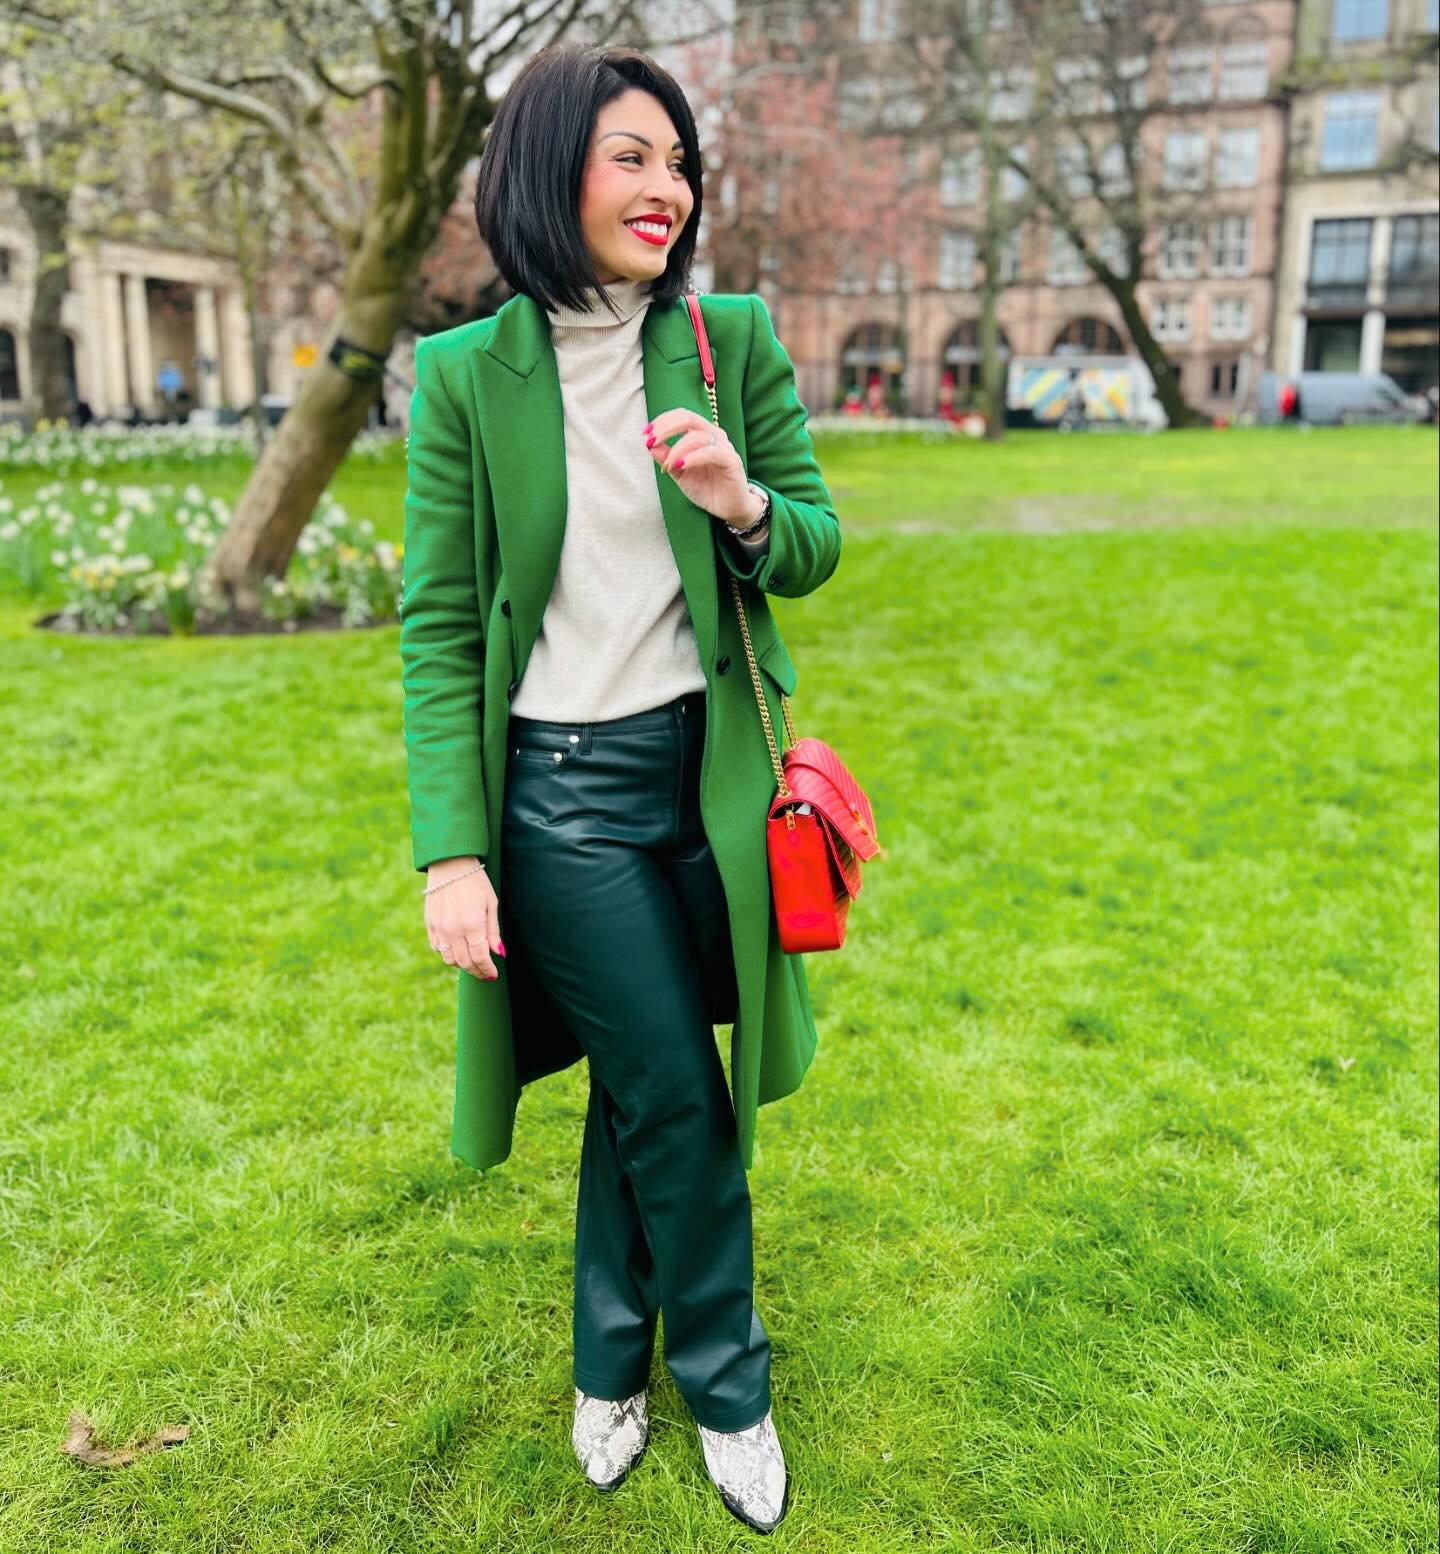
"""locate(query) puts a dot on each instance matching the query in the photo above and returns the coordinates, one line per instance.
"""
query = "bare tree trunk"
(992, 367)
(311, 442)
(259, 365)
(1167, 384)
(47, 212)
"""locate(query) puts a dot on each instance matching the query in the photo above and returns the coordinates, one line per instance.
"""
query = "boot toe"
(748, 1468)
(609, 1437)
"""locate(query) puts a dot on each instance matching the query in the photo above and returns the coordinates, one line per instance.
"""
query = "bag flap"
(817, 776)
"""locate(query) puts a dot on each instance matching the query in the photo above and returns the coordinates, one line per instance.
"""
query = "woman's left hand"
(711, 476)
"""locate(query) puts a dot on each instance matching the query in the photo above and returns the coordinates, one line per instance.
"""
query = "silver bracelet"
(443, 883)
(744, 533)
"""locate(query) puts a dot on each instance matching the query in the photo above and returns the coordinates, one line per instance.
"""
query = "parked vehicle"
(1073, 392)
(1334, 399)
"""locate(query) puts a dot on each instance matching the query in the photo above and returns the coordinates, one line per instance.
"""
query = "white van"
(1334, 399)
(1071, 392)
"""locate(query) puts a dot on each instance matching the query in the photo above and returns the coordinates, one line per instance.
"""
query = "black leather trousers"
(610, 880)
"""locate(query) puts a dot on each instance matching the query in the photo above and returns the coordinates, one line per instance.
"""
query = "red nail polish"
(648, 425)
(500, 947)
(650, 439)
(679, 464)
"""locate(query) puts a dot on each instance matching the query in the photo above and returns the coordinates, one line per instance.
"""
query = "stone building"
(1289, 155)
(1360, 262)
(1262, 183)
(131, 309)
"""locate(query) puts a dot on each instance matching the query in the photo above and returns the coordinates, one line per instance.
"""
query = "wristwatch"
(761, 521)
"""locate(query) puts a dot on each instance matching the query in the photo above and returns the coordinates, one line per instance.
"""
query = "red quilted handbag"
(820, 825)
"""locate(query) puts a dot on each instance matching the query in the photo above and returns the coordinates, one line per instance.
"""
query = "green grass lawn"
(1105, 1219)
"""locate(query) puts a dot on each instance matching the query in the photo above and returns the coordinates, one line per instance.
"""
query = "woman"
(583, 738)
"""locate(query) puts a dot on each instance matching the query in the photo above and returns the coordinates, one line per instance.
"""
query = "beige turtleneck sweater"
(616, 635)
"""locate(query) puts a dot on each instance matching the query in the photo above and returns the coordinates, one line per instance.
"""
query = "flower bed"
(63, 449)
(128, 558)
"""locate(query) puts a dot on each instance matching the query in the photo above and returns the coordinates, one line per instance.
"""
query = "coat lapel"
(516, 389)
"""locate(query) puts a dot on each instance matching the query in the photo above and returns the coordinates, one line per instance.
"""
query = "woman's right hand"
(463, 920)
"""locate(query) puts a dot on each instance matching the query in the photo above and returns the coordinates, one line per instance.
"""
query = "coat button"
(723, 667)
(776, 581)
(504, 606)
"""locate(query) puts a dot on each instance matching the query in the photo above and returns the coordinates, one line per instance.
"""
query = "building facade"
(1360, 262)
(140, 324)
(1246, 201)
(1288, 154)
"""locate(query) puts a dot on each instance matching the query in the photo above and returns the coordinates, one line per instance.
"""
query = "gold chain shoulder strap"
(783, 786)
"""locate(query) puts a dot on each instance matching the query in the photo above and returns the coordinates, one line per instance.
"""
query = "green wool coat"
(485, 511)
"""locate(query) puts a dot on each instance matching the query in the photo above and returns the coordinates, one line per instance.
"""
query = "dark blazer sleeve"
(442, 647)
(804, 531)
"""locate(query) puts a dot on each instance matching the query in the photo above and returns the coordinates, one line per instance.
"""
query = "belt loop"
(586, 730)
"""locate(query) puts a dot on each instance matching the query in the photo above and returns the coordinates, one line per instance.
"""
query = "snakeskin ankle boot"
(609, 1438)
(748, 1468)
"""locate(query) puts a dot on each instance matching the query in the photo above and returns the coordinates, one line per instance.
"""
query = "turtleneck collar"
(629, 296)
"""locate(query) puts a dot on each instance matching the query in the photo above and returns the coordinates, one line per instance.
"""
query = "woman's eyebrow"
(679, 145)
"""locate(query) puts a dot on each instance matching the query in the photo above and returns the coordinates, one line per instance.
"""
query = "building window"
(1110, 248)
(1114, 172)
(1179, 250)
(1237, 158)
(1010, 93)
(1415, 254)
(1184, 161)
(1351, 134)
(1230, 318)
(1130, 78)
(1170, 318)
(887, 274)
(1230, 238)
(879, 20)
(960, 177)
(1078, 83)
(1224, 379)
(1065, 266)
(851, 279)
(957, 261)
(1432, 16)
(1355, 20)
(1244, 72)
(867, 103)
(1192, 75)
(1340, 255)
(1014, 183)
(1072, 167)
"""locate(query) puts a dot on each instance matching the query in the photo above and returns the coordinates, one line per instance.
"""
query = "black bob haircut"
(527, 196)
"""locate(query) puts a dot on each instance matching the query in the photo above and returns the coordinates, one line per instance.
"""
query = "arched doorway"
(960, 361)
(1088, 337)
(872, 369)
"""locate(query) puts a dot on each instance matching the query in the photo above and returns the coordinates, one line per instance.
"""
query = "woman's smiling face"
(635, 168)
